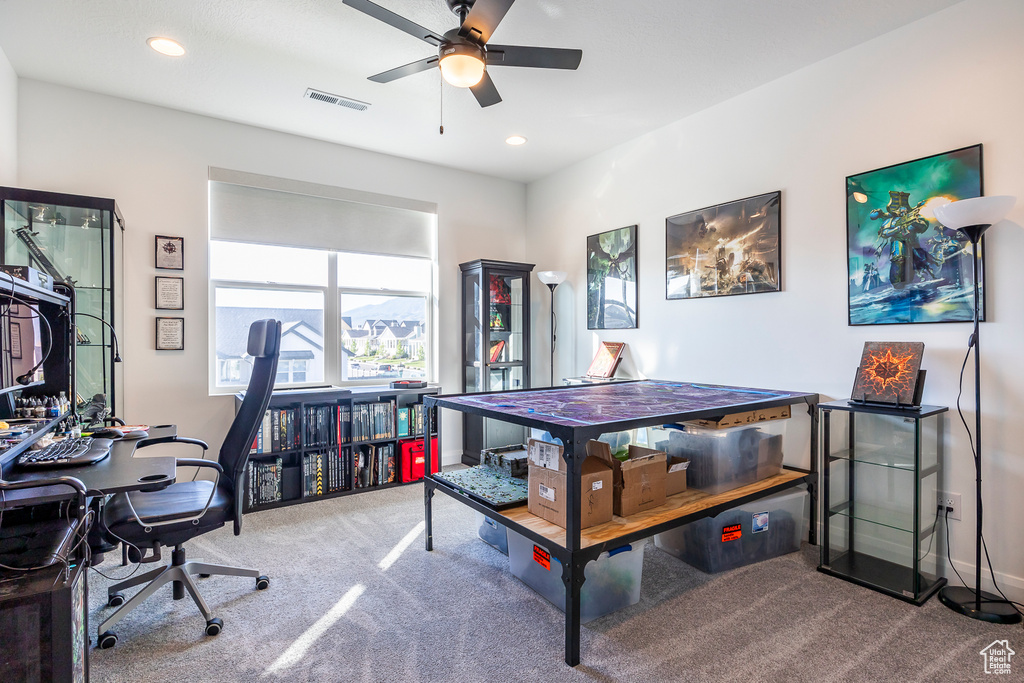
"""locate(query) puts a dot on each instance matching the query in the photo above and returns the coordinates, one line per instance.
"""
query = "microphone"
(117, 353)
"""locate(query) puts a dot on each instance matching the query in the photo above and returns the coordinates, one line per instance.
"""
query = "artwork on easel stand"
(890, 373)
(905, 266)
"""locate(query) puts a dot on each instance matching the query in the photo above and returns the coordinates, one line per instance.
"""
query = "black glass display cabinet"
(495, 345)
(880, 481)
(76, 241)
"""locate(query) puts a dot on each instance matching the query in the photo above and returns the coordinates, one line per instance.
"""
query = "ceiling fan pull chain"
(441, 100)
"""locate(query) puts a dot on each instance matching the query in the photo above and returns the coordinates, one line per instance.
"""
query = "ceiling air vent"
(336, 99)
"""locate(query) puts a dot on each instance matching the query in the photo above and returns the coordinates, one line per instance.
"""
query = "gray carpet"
(457, 614)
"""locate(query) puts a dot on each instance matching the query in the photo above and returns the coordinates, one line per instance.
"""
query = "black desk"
(118, 473)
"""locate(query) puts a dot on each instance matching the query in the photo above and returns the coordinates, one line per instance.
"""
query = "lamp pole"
(552, 278)
(973, 217)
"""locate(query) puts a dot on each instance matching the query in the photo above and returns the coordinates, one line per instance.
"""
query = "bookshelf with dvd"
(327, 442)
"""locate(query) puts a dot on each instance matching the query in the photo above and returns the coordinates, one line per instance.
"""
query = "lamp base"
(993, 608)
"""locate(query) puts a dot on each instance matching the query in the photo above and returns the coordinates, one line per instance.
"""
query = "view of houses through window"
(369, 321)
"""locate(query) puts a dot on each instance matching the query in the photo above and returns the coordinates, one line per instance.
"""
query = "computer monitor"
(23, 346)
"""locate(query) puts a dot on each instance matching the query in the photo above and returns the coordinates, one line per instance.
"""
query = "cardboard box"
(639, 482)
(30, 275)
(675, 479)
(746, 418)
(547, 486)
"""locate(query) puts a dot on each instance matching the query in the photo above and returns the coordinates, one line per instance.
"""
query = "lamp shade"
(975, 211)
(462, 70)
(552, 277)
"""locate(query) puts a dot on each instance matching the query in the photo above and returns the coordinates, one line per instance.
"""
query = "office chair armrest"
(182, 462)
(198, 462)
(176, 439)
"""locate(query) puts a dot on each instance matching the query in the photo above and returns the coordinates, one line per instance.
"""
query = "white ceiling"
(644, 65)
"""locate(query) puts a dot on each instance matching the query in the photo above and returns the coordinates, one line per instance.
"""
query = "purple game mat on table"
(598, 404)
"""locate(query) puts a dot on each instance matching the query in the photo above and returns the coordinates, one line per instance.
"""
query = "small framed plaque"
(16, 341)
(170, 334)
(170, 252)
(170, 293)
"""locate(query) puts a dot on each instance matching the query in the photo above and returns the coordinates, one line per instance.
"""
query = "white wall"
(947, 81)
(154, 162)
(8, 122)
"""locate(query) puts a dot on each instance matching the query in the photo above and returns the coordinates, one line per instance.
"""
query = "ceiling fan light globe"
(462, 70)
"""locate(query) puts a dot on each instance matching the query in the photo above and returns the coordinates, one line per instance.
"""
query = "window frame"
(332, 294)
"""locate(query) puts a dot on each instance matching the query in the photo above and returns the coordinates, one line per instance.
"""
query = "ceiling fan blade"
(538, 57)
(483, 18)
(395, 20)
(485, 92)
(407, 70)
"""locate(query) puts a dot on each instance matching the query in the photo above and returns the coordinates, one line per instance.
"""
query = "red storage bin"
(414, 458)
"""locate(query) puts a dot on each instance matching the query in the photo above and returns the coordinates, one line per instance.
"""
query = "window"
(349, 274)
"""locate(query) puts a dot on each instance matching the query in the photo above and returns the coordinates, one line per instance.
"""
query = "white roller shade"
(254, 208)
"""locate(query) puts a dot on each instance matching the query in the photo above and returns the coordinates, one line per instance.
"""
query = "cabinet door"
(506, 330)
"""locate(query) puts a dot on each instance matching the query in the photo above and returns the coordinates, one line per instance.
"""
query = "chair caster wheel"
(115, 600)
(107, 640)
(203, 576)
(214, 626)
(262, 583)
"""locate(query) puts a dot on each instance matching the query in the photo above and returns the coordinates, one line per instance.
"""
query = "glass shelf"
(877, 455)
(900, 520)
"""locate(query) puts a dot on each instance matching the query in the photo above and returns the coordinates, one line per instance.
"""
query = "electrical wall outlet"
(951, 500)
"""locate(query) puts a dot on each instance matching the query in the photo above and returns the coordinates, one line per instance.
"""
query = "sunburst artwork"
(889, 373)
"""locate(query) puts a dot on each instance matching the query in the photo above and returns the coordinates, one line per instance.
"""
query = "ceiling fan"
(463, 53)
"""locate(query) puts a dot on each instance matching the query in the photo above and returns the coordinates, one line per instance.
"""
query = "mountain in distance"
(397, 308)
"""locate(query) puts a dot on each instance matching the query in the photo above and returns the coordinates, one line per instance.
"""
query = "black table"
(120, 472)
(579, 413)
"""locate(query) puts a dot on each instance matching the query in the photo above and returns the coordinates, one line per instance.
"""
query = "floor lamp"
(552, 278)
(973, 217)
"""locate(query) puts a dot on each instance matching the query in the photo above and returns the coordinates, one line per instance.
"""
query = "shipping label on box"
(547, 493)
(544, 454)
(639, 481)
(744, 418)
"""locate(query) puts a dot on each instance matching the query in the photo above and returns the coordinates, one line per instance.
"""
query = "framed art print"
(903, 265)
(726, 249)
(612, 279)
(170, 334)
(170, 253)
(170, 293)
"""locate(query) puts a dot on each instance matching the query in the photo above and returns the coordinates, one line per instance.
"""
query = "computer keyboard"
(72, 452)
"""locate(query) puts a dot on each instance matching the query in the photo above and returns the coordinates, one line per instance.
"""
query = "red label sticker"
(731, 532)
(542, 557)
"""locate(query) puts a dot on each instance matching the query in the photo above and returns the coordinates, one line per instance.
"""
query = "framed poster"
(170, 252)
(170, 293)
(905, 266)
(612, 279)
(726, 249)
(170, 334)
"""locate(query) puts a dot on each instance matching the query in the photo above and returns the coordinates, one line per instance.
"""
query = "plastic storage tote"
(723, 459)
(613, 579)
(756, 531)
(491, 532)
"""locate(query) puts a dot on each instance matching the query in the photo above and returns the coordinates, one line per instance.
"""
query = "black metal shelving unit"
(292, 458)
(881, 472)
(575, 548)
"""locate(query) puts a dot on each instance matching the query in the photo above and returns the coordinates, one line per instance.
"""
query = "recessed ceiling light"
(166, 46)
(516, 140)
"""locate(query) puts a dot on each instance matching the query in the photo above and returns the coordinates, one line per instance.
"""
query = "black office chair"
(184, 510)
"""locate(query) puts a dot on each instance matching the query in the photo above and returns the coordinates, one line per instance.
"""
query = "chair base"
(179, 573)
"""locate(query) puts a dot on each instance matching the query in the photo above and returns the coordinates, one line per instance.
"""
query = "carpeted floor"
(344, 606)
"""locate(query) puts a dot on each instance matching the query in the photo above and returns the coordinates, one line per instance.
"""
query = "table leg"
(813, 486)
(428, 497)
(573, 576)
(428, 468)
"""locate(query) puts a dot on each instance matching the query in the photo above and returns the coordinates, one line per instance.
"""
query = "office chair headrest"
(264, 337)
